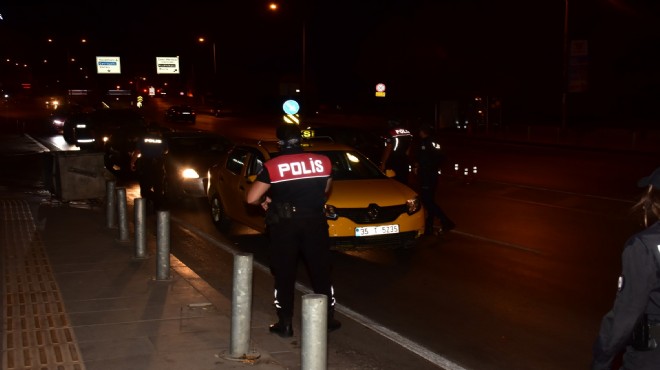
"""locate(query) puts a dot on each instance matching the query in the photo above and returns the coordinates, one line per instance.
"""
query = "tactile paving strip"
(36, 330)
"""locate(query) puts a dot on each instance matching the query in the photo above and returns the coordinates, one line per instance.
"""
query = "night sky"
(425, 51)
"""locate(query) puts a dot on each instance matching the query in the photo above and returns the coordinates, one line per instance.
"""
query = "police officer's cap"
(288, 134)
(653, 179)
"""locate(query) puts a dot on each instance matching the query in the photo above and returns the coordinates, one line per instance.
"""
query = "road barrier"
(241, 308)
(314, 340)
(140, 209)
(110, 197)
(122, 212)
(163, 246)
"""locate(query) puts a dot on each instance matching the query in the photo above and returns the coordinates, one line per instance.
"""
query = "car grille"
(373, 214)
(399, 240)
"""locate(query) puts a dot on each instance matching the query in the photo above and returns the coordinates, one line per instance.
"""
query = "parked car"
(358, 214)
(181, 113)
(189, 156)
(90, 131)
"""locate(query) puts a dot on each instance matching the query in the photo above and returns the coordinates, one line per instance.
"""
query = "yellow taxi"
(365, 208)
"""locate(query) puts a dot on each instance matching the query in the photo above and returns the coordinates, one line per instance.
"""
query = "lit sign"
(167, 65)
(108, 65)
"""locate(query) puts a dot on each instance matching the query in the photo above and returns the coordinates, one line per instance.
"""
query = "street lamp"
(303, 83)
(215, 65)
(564, 80)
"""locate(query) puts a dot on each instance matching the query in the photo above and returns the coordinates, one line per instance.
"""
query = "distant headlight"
(58, 122)
(189, 173)
(331, 212)
(81, 125)
(413, 205)
(106, 138)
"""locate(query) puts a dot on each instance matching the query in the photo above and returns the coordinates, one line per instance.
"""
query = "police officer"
(632, 325)
(428, 158)
(397, 149)
(148, 162)
(293, 188)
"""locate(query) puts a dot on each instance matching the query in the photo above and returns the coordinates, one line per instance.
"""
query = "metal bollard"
(314, 347)
(110, 198)
(122, 212)
(163, 246)
(140, 208)
(241, 307)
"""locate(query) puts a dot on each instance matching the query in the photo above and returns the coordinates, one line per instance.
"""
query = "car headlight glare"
(331, 212)
(413, 205)
(189, 173)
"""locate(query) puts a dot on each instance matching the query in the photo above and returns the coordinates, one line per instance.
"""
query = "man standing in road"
(147, 162)
(633, 323)
(428, 158)
(293, 189)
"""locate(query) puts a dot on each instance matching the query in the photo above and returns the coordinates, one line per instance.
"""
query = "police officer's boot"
(333, 324)
(283, 327)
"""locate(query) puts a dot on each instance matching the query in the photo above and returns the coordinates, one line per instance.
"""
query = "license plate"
(376, 230)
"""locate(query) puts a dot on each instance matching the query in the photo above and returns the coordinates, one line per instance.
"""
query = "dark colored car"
(59, 116)
(181, 113)
(90, 131)
(189, 156)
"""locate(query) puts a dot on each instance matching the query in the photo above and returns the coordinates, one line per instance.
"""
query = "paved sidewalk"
(76, 298)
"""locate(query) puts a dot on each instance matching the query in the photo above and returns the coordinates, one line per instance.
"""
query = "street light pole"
(564, 97)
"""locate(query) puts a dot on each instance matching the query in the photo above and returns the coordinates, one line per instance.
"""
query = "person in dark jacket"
(632, 326)
(396, 155)
(293, 187)
(428, 158)
(147, 160)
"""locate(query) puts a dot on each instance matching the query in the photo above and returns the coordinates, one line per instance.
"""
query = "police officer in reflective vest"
(428, 158)
(293, 189)
(632, 325)
(147, 162)
(396, 154)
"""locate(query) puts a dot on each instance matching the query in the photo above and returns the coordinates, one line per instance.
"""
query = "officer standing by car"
(428, 158)
(293, 189)
(148, 163)
(632, 325)
(397, 149)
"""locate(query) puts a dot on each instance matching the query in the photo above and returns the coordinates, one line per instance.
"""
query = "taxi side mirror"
(251, 178)
(390, 173)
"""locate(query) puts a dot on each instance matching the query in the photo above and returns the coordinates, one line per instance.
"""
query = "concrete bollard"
(163, 246)
(140, 208)
(110, 208)
(241, 306)
(122, 212)
(314, 340)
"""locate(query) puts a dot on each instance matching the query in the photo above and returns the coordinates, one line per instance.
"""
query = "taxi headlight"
(413, 205)
(189, 173)
(331, 212)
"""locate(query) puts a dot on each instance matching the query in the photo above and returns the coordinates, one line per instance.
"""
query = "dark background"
(424, 51)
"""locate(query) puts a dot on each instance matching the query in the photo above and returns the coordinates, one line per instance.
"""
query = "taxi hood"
(361, 193)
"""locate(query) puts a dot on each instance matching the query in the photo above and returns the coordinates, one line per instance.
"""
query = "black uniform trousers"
(401, 166)
(428, 182)
(150, 175)
(290, 240)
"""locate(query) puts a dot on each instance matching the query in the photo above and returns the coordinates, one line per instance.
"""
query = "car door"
(233, 183)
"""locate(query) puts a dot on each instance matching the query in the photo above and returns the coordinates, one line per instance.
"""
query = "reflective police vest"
(299, 166)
